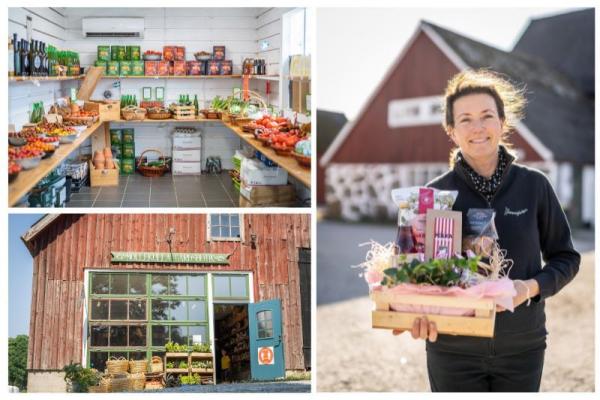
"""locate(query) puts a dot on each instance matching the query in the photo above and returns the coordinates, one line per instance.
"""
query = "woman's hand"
(421, 329)
(525, 290)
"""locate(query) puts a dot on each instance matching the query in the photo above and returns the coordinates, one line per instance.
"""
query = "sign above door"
(172, 258)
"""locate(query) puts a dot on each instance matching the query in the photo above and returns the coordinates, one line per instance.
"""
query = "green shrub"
(17, 361)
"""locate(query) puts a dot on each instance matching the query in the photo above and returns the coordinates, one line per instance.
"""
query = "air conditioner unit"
(112, 27)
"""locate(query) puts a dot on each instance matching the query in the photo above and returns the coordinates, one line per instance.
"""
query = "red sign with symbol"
(266, 356)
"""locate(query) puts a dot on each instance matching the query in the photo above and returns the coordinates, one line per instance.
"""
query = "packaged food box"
(133, 53)
(164, 68)
(264, 196)
(179, 53)
(214, 68)
(125, 68)
(118, 53)
(100, 63)
(127, 135)
(194, 68)
(226, 67)
(137, 68)
(112, 68)
(115, 137)
(169, 53)
(127, 166)
(187, 168)
(151, 67)
(128, 150)
(219, 53)
(179, 68)
(103, 53)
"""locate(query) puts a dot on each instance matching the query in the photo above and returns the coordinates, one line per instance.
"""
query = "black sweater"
(530, 223)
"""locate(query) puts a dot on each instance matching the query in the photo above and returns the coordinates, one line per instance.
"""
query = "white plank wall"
(47, 26)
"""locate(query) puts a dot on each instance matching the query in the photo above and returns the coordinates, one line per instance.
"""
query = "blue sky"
(20, 272)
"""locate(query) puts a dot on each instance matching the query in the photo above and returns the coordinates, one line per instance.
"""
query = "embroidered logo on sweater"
(507, 211)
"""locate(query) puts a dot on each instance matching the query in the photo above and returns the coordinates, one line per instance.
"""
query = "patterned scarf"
(487, 187)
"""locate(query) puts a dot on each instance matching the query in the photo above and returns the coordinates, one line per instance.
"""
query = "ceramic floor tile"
(219, 203)
(83, 196)
(135, 204)
(100, 204)
(80, 204)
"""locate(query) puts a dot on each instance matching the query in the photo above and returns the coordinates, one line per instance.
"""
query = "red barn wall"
(74, 242)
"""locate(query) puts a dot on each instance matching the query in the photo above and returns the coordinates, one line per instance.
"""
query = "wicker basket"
(137, 366)
(114, 383)
(156, 365)
(211, 114)
(148, 171)
(304, 161)
(117, 366)
(240, 121)
(282, 151)
(134, 115)
(97, 389)
(165, 115)
(137, 381)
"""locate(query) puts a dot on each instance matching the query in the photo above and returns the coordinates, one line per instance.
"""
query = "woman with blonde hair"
(481, 109)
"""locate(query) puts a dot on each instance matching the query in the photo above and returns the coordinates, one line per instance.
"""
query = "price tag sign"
(266, 356)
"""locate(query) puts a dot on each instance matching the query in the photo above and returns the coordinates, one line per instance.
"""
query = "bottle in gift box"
(405, 242)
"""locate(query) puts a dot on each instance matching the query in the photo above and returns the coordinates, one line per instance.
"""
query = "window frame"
(230, 298)
(212, 238)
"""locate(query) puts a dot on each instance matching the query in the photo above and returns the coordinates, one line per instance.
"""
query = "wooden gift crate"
(184, 112)
(108, 110)
(104, 177)
(481, 324)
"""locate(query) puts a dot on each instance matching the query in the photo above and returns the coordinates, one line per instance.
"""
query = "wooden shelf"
(201, 355)
(288, 163)
(237, 76)
(265, 77)
(28, 179)
(202, 371)
(160, 121)
(43, 78)
(177, 355)
(176, 370)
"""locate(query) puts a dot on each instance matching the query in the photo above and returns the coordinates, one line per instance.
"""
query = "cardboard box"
(179, 53)
(194, 68)
(226, 67)
(164, 68)
(179, 68)
(299, 91)
(187, 142)
(150, 68)
(255, 172)
(443, 233)
(218, 53)
(187, 168)
(169, 53)
(108, 110)
(266, 196)
(104, 177)
(187, 155)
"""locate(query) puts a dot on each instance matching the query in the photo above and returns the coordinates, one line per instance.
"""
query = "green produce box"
(103, 53)
(133, 53)
(115, 137)
(127, 166)
(118, 53)
(103, 64)
(137, 68)
(125, 68)
(128, 150)
(127, 135)
(112, 68)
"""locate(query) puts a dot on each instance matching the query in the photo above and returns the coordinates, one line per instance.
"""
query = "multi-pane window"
(225, 227)
(264, 320)
(230, 286)
(134, 315)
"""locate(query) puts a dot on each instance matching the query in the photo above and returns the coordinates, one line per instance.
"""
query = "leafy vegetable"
(442, 272)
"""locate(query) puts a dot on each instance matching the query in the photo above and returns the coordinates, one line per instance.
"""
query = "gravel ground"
(358, 358)
(250, 387)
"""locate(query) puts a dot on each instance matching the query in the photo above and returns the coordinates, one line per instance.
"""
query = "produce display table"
(101, 138)
(28, 179)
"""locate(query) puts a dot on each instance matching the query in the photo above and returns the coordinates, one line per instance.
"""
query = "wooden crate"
(481, 324)
(184, 112)
(104, 177)
(108, 110)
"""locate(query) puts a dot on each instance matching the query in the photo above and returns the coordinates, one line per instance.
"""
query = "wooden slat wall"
(75, 242)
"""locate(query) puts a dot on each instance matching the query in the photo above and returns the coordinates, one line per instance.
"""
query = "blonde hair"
(509, 98)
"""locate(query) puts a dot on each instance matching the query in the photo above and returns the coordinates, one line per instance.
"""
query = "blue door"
(266, 341)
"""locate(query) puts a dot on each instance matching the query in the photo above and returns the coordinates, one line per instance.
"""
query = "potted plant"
(80, 379)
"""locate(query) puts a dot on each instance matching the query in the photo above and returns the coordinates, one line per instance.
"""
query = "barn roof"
(38, 227)
(329, 124)
(558, 112)
(571, 50)
(559, 120)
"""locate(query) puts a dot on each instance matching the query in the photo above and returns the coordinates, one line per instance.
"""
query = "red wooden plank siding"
(73, 243)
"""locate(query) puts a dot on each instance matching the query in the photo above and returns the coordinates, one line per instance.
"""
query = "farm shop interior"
(159, 107)
(126, 285)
